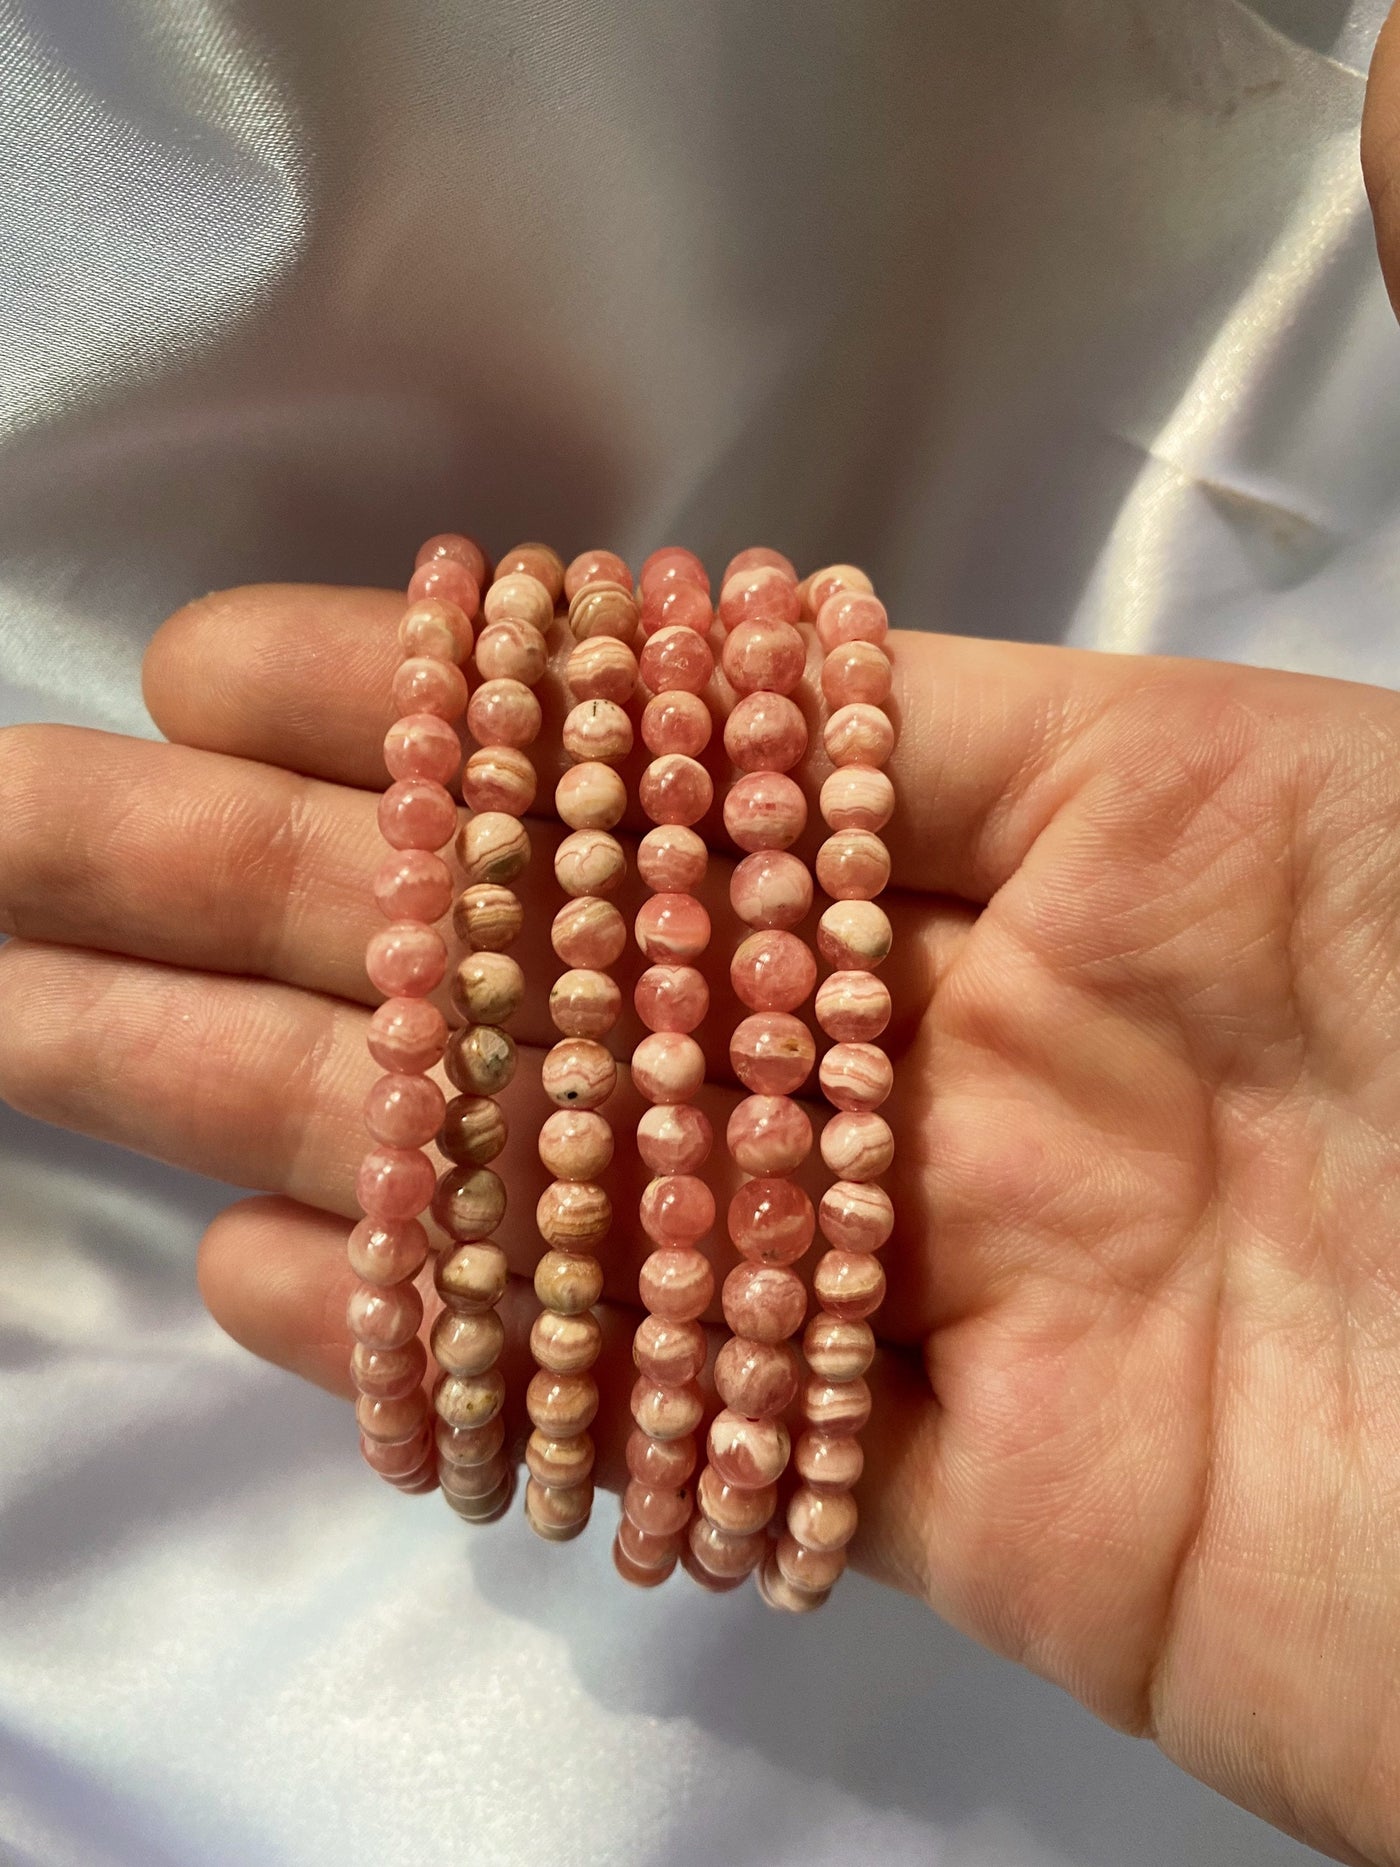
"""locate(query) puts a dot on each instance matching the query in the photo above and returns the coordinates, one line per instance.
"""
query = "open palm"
(1138, 1409)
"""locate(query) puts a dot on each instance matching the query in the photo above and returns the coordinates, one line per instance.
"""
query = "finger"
(274, 1275)
(263, 1086)
(211, 862)
(992, 735)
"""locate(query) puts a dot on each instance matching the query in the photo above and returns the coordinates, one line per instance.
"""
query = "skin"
(1138, 1395)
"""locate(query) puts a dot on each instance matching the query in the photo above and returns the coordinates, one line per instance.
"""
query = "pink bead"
(829, 1459)
(771, 889)
(533, 559)
(675, 789)
(771, 1221)
(810, 1569)
(766, 732)
(765, 810)
(822, 1520)
(437, 629)
(857, 1147)
(461, 549)
(765, 1302)
(511, 651)
(422, 685)
(589, 932)
(387, 1318)
(858, 735)
(701, 1576)
(856, 672)
(748, 1453)
(604, 609)
(659, 1512)
(576, 1144)
(601, 668)
(677, 606)
(641, 1558)
(444, 578)
(584, 1002)
(673, 564)
(672, 859)
(672, 998)
(387, 1254)
(735, 1508)
(414, 885)
(772, 1053)
(677, 1281)
(499, 780)
(676, 657)
(395, 1183)
(677, 1209)
(503, 713)
(837, 1350)
(856, 1216)
(597, 729)
(398, 1462)
(851, 616)
(407, 1033)
(663, 1463)
(853, 865)
(422, 746)
(857, 797)
(668, 1067)
(667, 1352)
(835, 1407)
(756, 557)
(856, 1077)
(406, 960)
(672, 927)
(393, 1422)
(666, 1412)
(590, 797)
(850, 1284)
(770, 655)
(762, 593)
(470, 1445)
(676, 722)
(589, 862)
(578, 1073)
(519, 597)
(853, 1007)
(416, 813)
(772, 971)
(387, 1372)
(768, 1134)
(822, 584)
(855, 935)
(674, 1137)
(723, 1554)
(595, 567)
(756, 1378)
(404, 1110)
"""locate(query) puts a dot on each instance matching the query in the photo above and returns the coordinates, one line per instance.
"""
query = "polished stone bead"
(677, 605)
(406, 1034)
(858, 735)
(565, 1344)
(677, 1209)
(598, 729)
(856, 673)
(417, 813)
(557, 1514)
(479, 1060)
(604, 609)
(471, 1278)
(466, 1343)
(487, 917)
(853, 865)
(660, 1462)
(469, 1488)
(511, 651)
(414, 885)
(771, 888)
(674, 1137)
(560, 1462)
(857, 797)
(777, 1592)
(673, 564)
(561, 1405)
(766, 732)
(568, 1283)
(838, 1348)
(810, 1569)
(499, 779)
(701, 1576)
(765, 1302)
(601, 668)
(400, 1459)
(856, 1216)
(828, 582)
(857, 1146)
(389, 1253)
(461, 550)
(492, 847)
(589, 862)
(761, 593)
(504, 713)
(422, 746)
(677, 1281)
(403, 1109)
(756, 1378)
(668, 1352)
(596, 566)
(470, 1445)
(768, 1134)
(591, 796)
(765, 810)
(667, 1412)
(584, 1002)
(676, 657)
(394, 1183)
(484, 1509)
(519, 597)
(855, 935)
(772, 1053)
(645, 1549)
(853, 1007)
(573, 1215)
(746, 1452)
(851, 1284)
(773, 971)
(837, 1407)
(589, 932)
(634, 1573)
(435, 628)
(469, 1203)
(658, 1510)
(487, 988)
(771, 1221)
(405, 960)
(676, 722)
(849, 614)
(754, 556)
(738, 1509)
(422, 685)
(387, 1372)
(668, 1066)
(671, 929)
(821, 1520)
(856, 1077)
(672, 998)
(445, 581)
(576, 1144)
(672, 859)
(578, 1073)
(768, 656)
(533, 559)
(387, 1317)
(675, 789)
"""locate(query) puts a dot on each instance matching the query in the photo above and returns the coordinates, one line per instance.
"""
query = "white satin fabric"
(1060, 315)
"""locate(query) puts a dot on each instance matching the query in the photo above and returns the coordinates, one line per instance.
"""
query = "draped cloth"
(1061, 316)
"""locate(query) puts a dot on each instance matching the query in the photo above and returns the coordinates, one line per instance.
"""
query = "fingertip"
(274, 1275)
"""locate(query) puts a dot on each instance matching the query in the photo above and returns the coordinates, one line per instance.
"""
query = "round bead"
(601, 668)
(589, 932)
(533, 559)
(573, 1215)
(394, 1183)
(388, 1372)
(576, 1144)
(565, 1345)
(488, 988)
(584, 1003)
(678, 1282)
(459, 549)
(658, 1511)
(672, 859)
(765, 810)
(676, 657)
(672, 927)
(772, 971)
(849, 614)
(675, 789)
(766, 732)
(754, 556)
(811, 1570)
(604, 609)
(654, 1555)
(557, 1513)
(503, 713)
(477, 1510)
(406, 1034)
(590, 797)
(472, 1489)
(856, 1077)
(422, 685)
(486, 917)
(670, 565)
(561, 1405)
(567, 1283)
(479, 1060)
(634, 1573)
(387, 1318)
(464, 1343)
(672, 998)
(422, 746)
(414, 885)
(768, 1134)
(823, 584)
(858, 735)
(589, 862)
(851, 1284)
(599, 729)
(762, 593)
(701, 1576)
(499, 778)
(595, 567)
(406, 960)
(471, 1278)
(398, 1422)
(674, 1137)
(771, 1221)
(771, 888)
(756, 1378)
(748, 1453)
(668, 1066)
(470, 1445)
(822, 1520)
(838, 1349)
(436, 628)
(469, 1203)
(856, 1216)
(853, 865)
(856, 673)
(857, 1147)
(683, 605)
(511, 651)
(578, 1073)
(387, 1254)
(855, 935)
(737, 1509)
(417, 813)
(777, 1592)
(853, 1007)
(492, 847)
(519, 597)
(765, 1302)
(445, 581)
(836, 1407)
(473, 1130)
(677, 722)
(668, 1352)
(660, 1462)
(404, 1109)
(857, 797)
(766, 656)
(667, 1412)
(772, 1053)
(559, 1462)
(677, 1209)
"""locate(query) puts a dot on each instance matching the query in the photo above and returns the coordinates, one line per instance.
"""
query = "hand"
(1139, 1392)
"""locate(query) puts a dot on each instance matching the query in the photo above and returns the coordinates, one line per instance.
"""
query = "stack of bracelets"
(634, 661)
